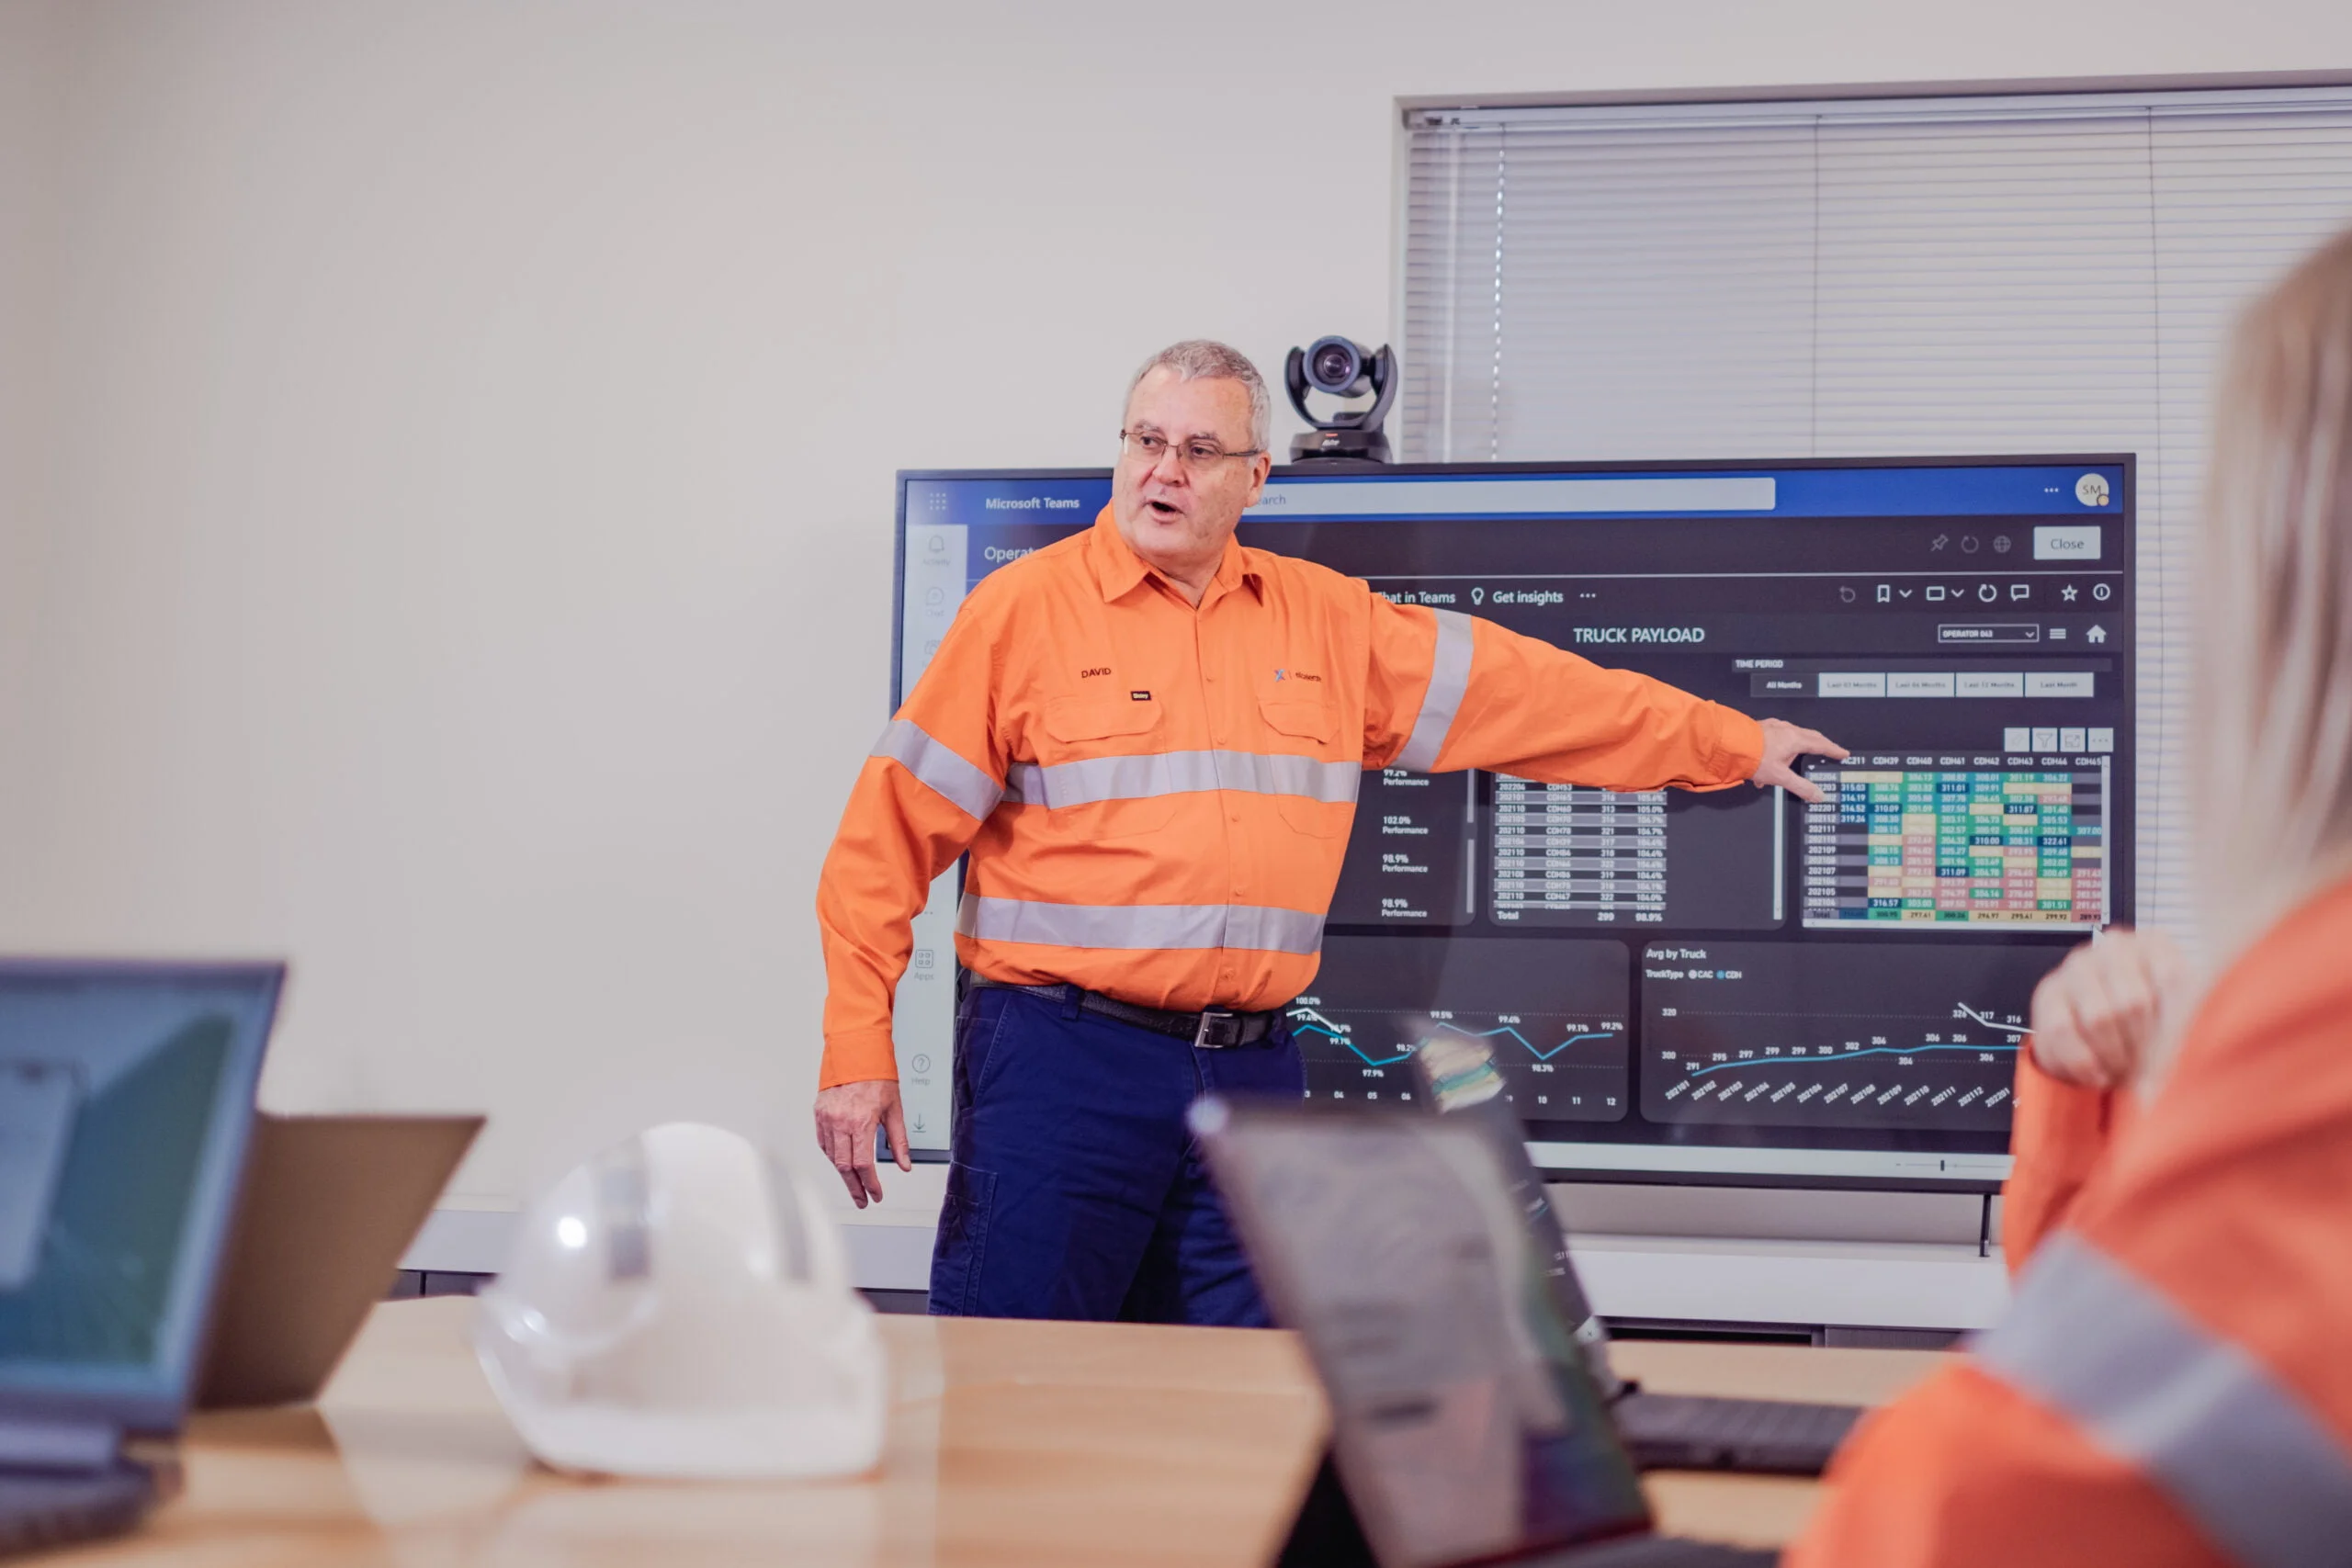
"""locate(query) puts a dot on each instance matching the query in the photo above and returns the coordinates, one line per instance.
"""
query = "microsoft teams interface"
(1734, 984)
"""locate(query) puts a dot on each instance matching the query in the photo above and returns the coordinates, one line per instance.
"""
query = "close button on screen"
(2079, 542)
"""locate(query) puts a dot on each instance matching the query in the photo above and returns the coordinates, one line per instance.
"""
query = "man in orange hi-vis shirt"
(1149, 739)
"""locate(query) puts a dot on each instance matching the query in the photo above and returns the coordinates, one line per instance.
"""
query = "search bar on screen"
(1405, 496)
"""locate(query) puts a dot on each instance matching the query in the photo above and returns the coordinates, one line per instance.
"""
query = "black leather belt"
(1211, 1031)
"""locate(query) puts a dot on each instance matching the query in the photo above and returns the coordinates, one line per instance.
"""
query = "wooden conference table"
(1010, 1443)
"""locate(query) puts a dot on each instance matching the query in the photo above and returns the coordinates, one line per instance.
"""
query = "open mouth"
(1161, 509)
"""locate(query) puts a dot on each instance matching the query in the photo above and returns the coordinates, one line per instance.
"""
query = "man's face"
(1178, 514)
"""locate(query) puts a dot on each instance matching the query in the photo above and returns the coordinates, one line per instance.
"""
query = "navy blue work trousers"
(1075, 1189)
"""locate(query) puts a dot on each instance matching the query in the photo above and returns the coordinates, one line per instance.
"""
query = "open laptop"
(1664, 1431)
(330, 1204)
(1466, 1427)
(126, 1102)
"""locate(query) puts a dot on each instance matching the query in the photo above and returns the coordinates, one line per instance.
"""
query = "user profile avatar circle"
(2091, 490)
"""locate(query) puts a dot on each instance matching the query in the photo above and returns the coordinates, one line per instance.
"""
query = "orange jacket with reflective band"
(1157, 798)
(2173, 1382)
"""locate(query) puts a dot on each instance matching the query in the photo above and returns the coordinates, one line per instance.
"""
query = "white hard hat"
(679, 1306)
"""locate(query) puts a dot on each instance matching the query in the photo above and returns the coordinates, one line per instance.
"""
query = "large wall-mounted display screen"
(1731, 987)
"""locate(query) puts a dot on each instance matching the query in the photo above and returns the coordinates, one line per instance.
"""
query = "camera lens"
(1334, 366)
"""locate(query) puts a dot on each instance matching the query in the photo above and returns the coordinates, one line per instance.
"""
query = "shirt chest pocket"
(1314, 789)
(1103, 778)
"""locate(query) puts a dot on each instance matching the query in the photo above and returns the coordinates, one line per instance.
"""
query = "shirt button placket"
(1203, 661)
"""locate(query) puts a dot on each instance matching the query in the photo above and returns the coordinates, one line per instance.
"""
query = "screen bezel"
(155, 1397)
(1541, 1150)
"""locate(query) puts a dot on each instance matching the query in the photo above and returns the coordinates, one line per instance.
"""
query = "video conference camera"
(1342, 367)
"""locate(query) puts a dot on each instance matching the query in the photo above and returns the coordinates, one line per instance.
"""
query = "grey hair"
(2272, 736)
(1201, 359)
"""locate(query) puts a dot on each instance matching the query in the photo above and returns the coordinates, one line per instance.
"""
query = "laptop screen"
(125, 1099)
(1465, 1421)
(1457, 1077)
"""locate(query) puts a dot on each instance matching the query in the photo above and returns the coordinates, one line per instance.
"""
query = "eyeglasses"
(1150, 446)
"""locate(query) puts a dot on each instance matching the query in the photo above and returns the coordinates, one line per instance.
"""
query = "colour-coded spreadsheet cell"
(2020, 845)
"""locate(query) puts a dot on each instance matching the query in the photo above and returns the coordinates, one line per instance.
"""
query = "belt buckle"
(1209, 1036)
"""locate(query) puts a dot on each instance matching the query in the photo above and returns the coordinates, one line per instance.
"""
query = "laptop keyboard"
(50, 1510)
(1686, 1431)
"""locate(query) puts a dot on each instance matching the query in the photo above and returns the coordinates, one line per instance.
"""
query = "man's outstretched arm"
(1449, 691)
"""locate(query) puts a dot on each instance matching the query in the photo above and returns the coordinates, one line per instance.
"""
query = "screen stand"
(1325, 1533)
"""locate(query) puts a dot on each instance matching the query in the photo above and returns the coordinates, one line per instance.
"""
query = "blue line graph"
(1313, 1023)
(1539, 1055)
(1841, 1056)
(1358, 1050)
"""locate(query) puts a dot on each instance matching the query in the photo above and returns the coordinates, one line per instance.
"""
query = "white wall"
(451, 445)
(27, 161)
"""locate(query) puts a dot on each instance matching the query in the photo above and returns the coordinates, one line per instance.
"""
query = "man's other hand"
(847, 1114)
(2095, 1016)
(1783, 744)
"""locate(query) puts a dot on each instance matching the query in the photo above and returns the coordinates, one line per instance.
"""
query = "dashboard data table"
(1987, 842)
(1585, 854)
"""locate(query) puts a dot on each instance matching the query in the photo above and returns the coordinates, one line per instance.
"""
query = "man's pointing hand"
(1783, 744)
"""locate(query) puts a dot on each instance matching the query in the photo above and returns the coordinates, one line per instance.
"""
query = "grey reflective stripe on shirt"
(1025, 782)
(1144, 927)
(967, 786)
(2236, 1450)
(1182, 772)
(1449, 680)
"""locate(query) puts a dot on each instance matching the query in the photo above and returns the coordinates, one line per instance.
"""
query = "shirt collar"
(1117, 568)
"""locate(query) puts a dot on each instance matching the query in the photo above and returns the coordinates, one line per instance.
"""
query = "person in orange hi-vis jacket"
(2172, 1383)
(1150, 740)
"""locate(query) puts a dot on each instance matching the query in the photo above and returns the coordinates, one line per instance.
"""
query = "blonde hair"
(2272, 732)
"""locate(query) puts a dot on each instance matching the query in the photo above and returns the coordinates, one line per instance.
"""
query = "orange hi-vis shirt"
(2171, 1385)
(1157, 798)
